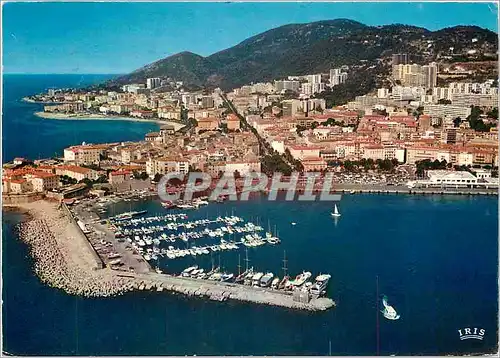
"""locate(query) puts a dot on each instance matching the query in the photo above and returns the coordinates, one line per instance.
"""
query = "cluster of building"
(414, 120)
(407, 122)
(147, 100)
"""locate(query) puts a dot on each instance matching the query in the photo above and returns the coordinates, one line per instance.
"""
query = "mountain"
(299, 49)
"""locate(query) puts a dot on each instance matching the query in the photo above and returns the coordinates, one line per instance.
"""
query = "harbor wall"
(98, 262)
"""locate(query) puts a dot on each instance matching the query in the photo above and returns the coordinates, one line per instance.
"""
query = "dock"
(223, 291)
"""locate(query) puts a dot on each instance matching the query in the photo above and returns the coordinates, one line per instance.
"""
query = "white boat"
(256, 278)
(320, 284)
(335, 211)
(266, 280)
(300, 279)
(389, 312)
(188, 271)
(275, 283)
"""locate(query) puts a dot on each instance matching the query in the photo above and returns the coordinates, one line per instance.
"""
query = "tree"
(493, 113)
(157, 178)
(87, 182)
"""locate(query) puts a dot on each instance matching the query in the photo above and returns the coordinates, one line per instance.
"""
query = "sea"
(434, 257)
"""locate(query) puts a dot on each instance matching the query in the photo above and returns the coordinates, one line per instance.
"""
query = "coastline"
(91, 117)
(61, 257)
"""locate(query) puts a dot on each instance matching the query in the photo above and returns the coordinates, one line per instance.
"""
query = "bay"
(435, 256)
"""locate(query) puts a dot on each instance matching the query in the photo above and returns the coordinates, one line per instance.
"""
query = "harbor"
(130, 248)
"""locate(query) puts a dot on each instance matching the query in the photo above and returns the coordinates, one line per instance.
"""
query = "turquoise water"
(436, 259)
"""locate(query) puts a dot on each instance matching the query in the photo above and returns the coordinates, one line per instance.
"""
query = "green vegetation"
(274, 163)
(476, 123)
(355, 166)
(427, 164)
(140, 175)
(298, 49)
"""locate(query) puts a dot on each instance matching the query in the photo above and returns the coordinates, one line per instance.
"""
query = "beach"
(88, 117)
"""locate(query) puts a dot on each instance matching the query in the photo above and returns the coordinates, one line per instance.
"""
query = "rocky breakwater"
(61, 257)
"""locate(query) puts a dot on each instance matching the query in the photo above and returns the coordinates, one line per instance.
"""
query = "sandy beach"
(92, 117)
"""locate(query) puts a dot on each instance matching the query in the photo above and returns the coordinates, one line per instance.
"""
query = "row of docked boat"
(172, 253)
(185, 205)
(215, 232)
(264, 280)
(228, 220)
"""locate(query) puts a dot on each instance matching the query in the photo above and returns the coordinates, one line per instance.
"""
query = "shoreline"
(98, 117)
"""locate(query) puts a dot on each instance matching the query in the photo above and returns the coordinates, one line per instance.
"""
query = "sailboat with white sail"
(336, 212)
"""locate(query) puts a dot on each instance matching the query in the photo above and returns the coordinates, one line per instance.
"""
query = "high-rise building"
(430, 75)
(152, 83)
(399, 59)
(287, 85)
(291, 107)
(416, 75)
(207, 102)
(337, 76)
(314, 78)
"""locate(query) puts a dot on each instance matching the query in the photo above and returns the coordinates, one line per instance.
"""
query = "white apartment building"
(286, 85)
(152, 83)
(166, 165)
(337, 76)
(447, 112)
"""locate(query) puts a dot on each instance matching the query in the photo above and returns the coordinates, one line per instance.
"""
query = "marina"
(135, 248)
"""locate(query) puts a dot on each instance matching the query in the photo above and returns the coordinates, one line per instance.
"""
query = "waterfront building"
(314, 164)
(42, 181)
(166, 165)
(65, 107)
(142, 114)
(76, 172)
(445, 178)
(169, 112)
(84, 154)
(118, 177)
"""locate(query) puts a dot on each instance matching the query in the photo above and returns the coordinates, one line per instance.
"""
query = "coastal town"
(390, 136)
(432, 130)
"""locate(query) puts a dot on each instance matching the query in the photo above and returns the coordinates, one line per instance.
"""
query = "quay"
(222, 291)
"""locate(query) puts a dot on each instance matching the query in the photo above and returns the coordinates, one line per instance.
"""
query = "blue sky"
(120, 37)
